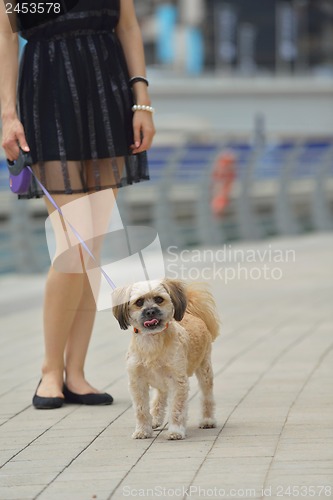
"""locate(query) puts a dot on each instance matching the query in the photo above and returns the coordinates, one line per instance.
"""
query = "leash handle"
(83, 243)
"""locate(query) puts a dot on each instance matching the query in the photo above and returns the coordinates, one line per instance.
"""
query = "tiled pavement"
(273, 368)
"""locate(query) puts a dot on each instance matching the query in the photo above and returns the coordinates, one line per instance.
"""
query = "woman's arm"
(12, 129)
(129, 34)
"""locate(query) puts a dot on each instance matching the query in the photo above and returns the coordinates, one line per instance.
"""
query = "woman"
(80, 75)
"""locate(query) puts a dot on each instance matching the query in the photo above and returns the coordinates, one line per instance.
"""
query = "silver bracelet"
(142, 107)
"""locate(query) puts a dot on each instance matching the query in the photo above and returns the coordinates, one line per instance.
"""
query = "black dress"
(75, 102)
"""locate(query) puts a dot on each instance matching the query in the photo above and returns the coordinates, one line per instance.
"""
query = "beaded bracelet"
(142, 107)
(136, 79)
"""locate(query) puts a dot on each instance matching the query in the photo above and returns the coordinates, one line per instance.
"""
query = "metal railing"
(283, 188)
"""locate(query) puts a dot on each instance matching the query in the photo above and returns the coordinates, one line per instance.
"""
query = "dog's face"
(149, 305)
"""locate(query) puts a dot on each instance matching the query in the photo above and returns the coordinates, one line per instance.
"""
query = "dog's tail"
(200, 303)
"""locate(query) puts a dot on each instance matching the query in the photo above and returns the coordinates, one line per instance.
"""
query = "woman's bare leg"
(78, 341)
(62, 293)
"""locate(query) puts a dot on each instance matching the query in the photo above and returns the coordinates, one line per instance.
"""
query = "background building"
(261, 36)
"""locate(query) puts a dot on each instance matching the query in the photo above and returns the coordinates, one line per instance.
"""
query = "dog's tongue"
(151, 322)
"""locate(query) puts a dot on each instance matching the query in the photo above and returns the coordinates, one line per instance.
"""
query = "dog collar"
(136, 330)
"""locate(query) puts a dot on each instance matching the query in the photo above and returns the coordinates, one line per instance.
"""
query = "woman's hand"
(144, 131)
(12, 136)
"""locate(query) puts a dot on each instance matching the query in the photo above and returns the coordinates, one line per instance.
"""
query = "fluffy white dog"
(173, 327)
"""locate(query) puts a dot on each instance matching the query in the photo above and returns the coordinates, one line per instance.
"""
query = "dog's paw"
(157, 423)
(174, 436)
(142, 434)
(207, 423)
(176, 432)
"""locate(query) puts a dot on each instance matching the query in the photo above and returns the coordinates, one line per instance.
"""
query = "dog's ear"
(120, 307)
(177, 292)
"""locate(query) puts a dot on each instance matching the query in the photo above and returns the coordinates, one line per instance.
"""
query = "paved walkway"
(273, 368)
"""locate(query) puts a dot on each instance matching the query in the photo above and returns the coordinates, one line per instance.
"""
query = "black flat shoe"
(86, 399)
(42, 403)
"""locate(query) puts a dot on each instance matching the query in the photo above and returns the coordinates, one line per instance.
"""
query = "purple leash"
(49, 197)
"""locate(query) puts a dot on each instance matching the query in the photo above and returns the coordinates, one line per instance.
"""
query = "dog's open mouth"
(151, 323)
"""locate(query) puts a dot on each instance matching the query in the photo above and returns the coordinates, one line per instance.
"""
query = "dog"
(174, 325)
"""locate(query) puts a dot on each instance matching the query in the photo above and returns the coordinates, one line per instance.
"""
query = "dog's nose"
(150, 312)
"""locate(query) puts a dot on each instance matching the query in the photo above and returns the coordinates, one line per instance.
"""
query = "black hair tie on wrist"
(136, 79)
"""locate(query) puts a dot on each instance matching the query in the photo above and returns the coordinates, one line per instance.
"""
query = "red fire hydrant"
(223, 176)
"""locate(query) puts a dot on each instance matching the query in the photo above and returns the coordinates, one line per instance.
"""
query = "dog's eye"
(139, 302)
(158, 300)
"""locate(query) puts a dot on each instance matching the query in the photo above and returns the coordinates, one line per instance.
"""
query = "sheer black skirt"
(75, 105)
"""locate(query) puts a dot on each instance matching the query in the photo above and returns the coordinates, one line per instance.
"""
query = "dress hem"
(40, 194)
